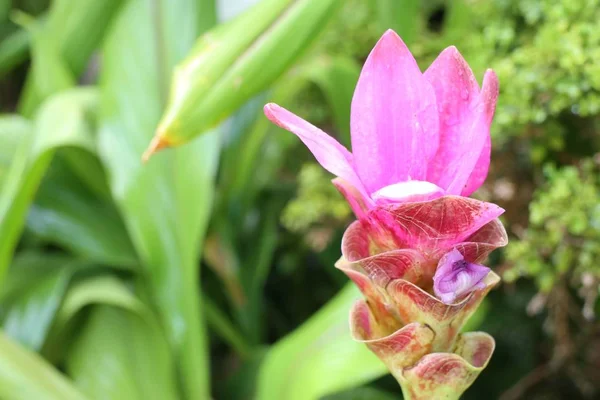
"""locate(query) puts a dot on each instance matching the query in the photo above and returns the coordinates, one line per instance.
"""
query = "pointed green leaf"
(25, 375)
(165, 203)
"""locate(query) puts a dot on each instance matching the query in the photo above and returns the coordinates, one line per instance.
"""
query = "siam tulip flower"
(421, 145)
(415, 136)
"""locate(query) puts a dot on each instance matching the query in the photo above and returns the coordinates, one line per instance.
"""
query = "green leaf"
(362, 394)
(13, 50)
(119, 356)
(99, 290)
(337, 79)
(165, 203)
(62, 46)
(14, 129)
(400, 15)
(25, 376)
(32, 294)
(121, 351)
(48, 74)
(320, 357)
(236, 61)
(68, 213)
(61, 122)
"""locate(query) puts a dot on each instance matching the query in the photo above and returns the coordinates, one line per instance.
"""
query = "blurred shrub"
(563, 237)
(318, 204)
(546, 54)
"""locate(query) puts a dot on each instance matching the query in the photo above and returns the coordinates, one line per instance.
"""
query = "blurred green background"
(208, 272)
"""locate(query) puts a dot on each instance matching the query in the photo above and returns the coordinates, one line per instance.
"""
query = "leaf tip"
(158, 143)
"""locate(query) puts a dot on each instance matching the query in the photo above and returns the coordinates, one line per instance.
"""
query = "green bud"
(234, 62)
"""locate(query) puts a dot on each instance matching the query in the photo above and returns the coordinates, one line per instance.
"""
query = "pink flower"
(415, 136)
(455, 277)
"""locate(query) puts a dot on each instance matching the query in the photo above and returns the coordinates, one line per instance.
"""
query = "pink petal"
(457, 97)
(329, 153)
(489, 96)
(358, 203)
(394, 118)
(475, 140)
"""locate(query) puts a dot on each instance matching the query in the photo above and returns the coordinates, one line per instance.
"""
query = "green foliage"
(353, 31)
(296, 366)
(563, 236)
(100, 255)
(318, 201)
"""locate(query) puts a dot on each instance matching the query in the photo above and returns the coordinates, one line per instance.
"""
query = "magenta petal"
(457, 96)
(334, 157)
(359, 204)
(394, 119)
(489, 96)
(475, 140)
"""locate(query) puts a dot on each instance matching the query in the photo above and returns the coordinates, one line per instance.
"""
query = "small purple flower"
(455, 277)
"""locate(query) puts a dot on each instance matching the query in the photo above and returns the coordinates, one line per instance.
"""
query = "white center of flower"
(408, 191)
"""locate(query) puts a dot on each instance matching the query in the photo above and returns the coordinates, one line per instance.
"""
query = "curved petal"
(479, 245)
(380, 303)
(473, 159)
(457, 97)
(334, 157)
(416, 305)
(400, 349)
(432, 225)
(358, 203)
(383, 268)
(394, 120)
(448, 375)
(489, 96)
